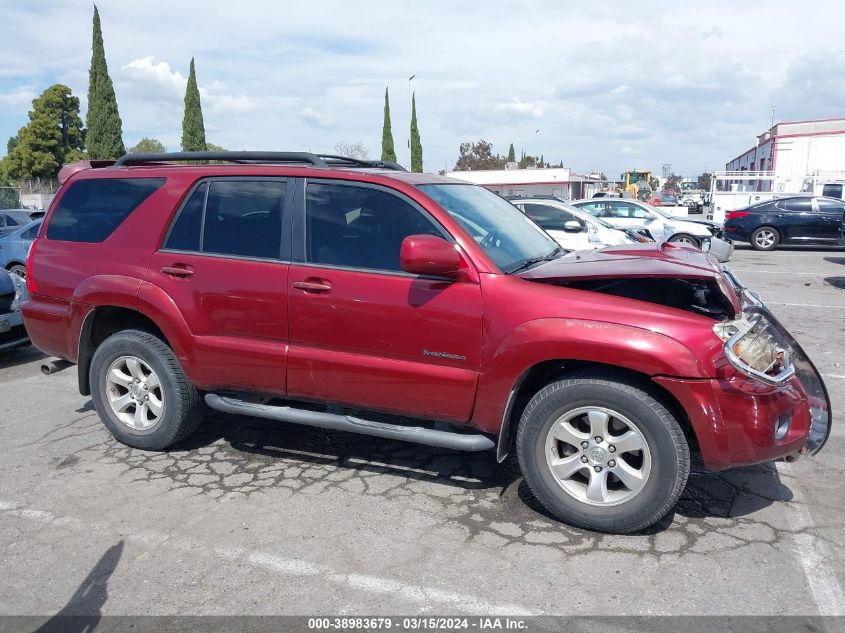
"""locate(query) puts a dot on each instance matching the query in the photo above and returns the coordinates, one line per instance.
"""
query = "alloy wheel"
(134, 393)
(598, 456)
(765, 238)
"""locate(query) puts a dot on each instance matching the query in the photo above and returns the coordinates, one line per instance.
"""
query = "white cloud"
(18, 98)
(520, 108)
(313, 117)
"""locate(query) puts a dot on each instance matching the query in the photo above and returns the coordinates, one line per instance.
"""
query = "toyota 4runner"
(328, 291)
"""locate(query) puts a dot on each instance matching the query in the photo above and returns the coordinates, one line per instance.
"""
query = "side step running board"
(430, 437)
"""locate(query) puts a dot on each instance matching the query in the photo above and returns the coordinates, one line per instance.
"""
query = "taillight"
(732, 215)
(30, 278)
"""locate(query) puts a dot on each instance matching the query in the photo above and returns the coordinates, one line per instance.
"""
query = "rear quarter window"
(90, 210)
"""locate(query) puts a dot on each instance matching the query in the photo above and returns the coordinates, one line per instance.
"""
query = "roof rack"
(250, 157)
(340, 161)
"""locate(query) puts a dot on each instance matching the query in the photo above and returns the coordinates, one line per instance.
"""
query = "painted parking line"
(771, 272)
(804, 305)
(288, 567)
(811, 552)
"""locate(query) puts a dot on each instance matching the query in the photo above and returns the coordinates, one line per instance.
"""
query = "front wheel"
(601, 453)
(684, 238)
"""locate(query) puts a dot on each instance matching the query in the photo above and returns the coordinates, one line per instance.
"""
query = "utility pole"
(410, 93)
(773, 117)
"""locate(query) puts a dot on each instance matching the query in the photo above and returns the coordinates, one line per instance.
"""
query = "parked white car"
(574, 229)
(663, 227)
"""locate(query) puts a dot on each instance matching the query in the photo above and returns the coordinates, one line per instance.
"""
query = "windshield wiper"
(527, 263)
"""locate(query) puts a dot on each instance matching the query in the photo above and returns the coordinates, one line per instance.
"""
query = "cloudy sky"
(599, 85)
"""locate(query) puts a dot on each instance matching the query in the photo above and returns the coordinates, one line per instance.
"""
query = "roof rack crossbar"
(333, 160)
(232, 157)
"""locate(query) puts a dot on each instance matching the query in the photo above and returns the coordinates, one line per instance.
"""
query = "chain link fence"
(10, 198)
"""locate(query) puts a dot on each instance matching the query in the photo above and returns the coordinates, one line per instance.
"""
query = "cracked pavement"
(250, 516)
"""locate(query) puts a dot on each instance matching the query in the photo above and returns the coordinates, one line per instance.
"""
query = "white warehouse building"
(791, 152)
(551, 181)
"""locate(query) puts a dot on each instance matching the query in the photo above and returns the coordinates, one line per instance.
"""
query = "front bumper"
(739, 420)
(721, 249)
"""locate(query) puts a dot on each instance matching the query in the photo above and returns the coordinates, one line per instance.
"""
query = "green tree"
(478, 155)
(147, 146)
(672, 183)
(387, 151)
(193, 128)
(104, 138)
(416, 144)
(53, 137)
(511, 154)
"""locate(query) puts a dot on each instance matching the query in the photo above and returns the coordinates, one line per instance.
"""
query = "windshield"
(502, 230)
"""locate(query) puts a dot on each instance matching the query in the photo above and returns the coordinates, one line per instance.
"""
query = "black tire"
(18, 269)
(756, 234)
(182, 409)
(670, 459)
(685, 237)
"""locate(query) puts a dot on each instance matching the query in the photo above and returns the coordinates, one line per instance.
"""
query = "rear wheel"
(601, 453)
(141, 393)
(685, 238)
(765, 238)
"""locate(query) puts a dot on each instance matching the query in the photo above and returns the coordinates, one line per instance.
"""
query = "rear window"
(90, 210)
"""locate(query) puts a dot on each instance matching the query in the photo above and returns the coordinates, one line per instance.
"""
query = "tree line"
(55, 134)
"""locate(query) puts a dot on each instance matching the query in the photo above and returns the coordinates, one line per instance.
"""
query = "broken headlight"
(757, 348)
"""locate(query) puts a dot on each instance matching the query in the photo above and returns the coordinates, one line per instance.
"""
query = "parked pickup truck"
(315, 289)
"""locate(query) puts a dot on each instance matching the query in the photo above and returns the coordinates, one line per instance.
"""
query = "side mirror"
(572, 226)
(429, 255)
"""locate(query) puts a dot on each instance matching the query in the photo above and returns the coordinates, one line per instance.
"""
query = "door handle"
(313, 286)
(178, 270)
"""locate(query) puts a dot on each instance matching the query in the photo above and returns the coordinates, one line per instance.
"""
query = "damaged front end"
(760, 347)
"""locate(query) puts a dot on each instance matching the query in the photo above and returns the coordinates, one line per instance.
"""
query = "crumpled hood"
(630, 261)
(675, 268)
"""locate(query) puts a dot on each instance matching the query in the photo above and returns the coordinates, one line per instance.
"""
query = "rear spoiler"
(69, 170)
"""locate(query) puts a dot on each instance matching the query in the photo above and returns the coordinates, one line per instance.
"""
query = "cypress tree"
(104, 138)
(387, 151)
(511, 154)
(193, 128)
(416, 145)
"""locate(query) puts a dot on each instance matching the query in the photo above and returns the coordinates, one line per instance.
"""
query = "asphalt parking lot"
(255, 517)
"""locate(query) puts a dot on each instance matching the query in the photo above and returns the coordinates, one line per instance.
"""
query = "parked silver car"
(573, 228)
(14, 247)
(662, 226)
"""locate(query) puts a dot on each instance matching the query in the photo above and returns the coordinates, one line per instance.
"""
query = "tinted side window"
(797, 204)
(359, 227)
(828, 206)
(550, 218)
(185, 234)
(244, 217)
(90, 210)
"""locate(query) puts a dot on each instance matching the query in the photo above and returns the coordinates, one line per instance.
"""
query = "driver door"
(363, 331)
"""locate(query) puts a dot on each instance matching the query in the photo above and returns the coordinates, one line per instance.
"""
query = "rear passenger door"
(830, 215)
(224, 262)
(363, 331)
(799, 220)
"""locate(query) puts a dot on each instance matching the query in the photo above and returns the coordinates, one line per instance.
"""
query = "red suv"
(327, 291)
